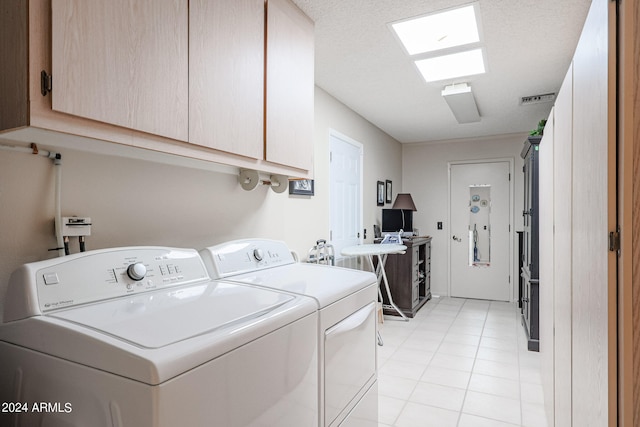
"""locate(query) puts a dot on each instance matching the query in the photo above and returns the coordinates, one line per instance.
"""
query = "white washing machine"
(142, 336)
(346, 299)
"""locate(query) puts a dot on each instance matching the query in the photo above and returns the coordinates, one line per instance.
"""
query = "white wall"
(425, 176)
(137, 202)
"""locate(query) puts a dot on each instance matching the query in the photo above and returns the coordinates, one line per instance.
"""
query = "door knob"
(457, 239)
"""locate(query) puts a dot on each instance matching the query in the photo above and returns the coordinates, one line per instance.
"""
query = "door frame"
(628, 133)
(344, 138)
(512, 233)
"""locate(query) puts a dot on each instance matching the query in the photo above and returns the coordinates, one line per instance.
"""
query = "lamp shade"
(404, 201)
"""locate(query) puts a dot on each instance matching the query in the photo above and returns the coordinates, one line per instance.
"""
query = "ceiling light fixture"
(441, 30)
(452, 66)
(461, 102)
(444, 45)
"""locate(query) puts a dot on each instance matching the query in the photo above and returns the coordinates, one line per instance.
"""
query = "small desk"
(409, 276)
(381, 251)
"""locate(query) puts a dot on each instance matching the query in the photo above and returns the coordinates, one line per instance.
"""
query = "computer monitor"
(392, 220)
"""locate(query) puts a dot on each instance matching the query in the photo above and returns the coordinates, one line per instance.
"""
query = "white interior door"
(480, 217)
(346, 192)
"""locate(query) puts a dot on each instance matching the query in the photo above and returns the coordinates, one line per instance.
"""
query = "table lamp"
(404, 202)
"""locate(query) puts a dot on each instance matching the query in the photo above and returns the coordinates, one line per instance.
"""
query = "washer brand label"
(58, 304)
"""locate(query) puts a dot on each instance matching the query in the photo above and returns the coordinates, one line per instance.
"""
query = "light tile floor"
(459, 363)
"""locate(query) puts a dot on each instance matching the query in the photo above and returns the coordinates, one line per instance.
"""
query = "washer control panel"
(98, 275)
(243, 256)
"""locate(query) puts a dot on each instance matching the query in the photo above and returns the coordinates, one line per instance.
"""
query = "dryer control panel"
(88, 277)
(243, 256)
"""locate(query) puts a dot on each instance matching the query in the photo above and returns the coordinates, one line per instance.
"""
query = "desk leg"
(382, 259)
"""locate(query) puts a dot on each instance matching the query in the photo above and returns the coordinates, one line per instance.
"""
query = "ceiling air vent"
(537, 99)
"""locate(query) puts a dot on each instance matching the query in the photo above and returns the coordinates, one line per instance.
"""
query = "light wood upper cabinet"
(226, 75)
(123, 62)
(290, 80)
(179, 77)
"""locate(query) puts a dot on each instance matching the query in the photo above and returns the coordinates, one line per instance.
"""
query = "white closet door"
(562, 248)
(594, 389)
(546, 195)
(346, 193)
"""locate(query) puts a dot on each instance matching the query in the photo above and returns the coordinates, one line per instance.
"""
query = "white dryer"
(143, 337)
(346, 299)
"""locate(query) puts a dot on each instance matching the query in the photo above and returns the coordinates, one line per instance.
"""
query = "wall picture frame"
(380, 193)
(302, 187)
(388, 191)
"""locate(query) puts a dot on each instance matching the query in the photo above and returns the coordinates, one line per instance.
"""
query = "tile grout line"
(438, 348)
(475, 357)
(406, 401)
(458, 311)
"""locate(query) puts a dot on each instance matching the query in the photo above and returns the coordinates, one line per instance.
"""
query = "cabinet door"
(226, 75)
(415, 260)
(415, 276)
(122, 62)
(526, 212)
(289, 99)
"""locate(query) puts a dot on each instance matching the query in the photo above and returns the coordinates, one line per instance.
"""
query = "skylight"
(451, 66)
(444, 45)
(455, 27)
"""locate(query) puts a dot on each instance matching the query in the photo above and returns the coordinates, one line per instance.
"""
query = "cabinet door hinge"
(46, 83)
(614, 241)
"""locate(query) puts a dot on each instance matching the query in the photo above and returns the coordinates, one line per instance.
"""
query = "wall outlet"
(439, 225)
(76, 226)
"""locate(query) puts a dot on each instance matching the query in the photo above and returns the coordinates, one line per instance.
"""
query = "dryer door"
(350, 360)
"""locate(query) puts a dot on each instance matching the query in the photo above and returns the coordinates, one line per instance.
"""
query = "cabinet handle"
(457, 239)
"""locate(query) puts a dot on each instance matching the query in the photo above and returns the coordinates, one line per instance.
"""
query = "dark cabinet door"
(409, 277)
(529, 299)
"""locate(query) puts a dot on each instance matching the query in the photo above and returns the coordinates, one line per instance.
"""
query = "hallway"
(459, 363)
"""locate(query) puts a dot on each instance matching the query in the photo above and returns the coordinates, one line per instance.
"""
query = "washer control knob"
(137, 271)
(257, 254)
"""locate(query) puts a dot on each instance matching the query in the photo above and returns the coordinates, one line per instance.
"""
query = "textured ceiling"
(528, 47)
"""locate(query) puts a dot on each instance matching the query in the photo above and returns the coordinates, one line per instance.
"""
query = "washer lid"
(157, 319)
